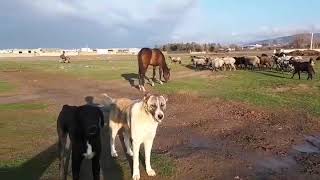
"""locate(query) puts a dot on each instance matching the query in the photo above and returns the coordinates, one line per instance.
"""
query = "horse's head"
(166, 75)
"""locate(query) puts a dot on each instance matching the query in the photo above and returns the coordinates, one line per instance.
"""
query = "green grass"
(5, 87)
(22, 106)
(92, 69)
(165, 166)
(256, 87)
(25, 130)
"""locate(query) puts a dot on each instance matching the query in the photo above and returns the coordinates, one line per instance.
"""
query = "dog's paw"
(152, 84)
(151, 172)
(114, 154)
(160, 82)
(136, 177)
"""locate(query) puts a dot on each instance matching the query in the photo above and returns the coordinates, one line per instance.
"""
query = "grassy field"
(5, 87)
(268, 89)
(95, 69)
(26, 128)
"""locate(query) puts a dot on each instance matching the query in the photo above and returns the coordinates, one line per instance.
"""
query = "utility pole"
(311, 43)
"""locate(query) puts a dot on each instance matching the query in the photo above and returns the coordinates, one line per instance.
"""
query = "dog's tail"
(107, 103)
(108, 99)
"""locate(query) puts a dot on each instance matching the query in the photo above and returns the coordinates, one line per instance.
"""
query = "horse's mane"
(164, 64)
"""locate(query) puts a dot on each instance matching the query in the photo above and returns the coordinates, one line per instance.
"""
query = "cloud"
(98, 23)
(268, 32)
(125, 23)
(146, 22)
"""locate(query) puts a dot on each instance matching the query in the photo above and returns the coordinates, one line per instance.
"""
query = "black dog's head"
(90, 119)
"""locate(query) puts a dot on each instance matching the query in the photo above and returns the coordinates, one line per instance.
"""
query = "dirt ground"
(206, 138)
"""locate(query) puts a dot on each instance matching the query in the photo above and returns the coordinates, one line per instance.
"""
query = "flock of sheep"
(280, 62)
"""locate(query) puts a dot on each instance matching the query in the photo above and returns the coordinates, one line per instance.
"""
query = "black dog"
(83, 125)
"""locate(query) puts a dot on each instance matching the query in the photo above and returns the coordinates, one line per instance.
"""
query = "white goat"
(229, 62)
(217, 63)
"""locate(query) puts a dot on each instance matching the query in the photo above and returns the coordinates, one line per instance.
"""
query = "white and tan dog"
(139, 120)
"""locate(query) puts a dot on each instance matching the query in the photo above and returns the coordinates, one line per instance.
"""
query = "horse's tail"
(140, 63)
(164, 64)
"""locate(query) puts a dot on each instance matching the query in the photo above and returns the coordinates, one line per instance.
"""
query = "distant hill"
(284, 40)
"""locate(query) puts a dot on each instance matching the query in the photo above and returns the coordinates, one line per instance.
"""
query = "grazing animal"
(283, 63)
(175, 59)
(240, 62)
(265, 60)
(229, 62)
(83, 125)
(303, 67)
(199, 62)
(318, 58)
(217, 63)
(153, 57)
(252, 62)
(139, 120)
(64, 58)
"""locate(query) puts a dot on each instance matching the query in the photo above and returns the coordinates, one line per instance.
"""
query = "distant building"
(6, 51)
(69, 52)
(86, 49)
(252, 46)
(123, 51)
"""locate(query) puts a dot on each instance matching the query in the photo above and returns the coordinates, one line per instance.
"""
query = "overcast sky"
(139, 23)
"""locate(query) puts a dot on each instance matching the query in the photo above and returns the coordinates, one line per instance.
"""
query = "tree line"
(298, 41)
(195, 47)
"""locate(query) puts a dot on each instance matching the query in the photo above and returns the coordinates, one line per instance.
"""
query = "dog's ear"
(165, 97)
(146, 97)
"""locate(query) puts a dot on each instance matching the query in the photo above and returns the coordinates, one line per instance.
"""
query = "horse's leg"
(153, 76)
(160, 76)
(141, 81)
(149, 80)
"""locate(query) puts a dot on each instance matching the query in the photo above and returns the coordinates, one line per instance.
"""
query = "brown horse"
(153, 57)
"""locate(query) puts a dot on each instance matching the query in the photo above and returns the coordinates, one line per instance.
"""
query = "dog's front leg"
(136, 171)
(127, 142)
(76, 163)
(113, 134)
(147, 151)
(96, 167)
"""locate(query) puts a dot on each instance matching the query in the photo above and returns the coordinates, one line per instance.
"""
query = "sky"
(143, 23)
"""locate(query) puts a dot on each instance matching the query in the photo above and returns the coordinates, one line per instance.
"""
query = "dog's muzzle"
(159, 117)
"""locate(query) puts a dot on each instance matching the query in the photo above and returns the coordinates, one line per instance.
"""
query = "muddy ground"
(206, 138)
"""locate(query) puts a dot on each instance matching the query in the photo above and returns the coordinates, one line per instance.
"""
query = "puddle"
(200, 142)
(194, 144)
(312, 145)
(303, 158)
(275, 164)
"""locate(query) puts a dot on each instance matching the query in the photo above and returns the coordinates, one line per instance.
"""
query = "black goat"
(303, 67)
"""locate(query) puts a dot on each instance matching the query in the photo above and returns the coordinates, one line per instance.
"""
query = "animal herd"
(279, 62)
(283, 63)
